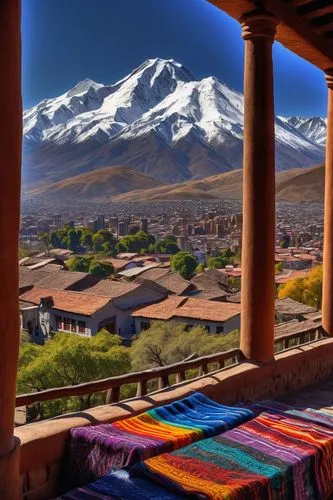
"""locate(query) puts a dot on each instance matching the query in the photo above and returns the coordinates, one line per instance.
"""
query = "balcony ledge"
(44, 443)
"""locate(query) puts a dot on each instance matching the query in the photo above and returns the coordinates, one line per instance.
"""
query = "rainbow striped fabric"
(270, 457)
(310, 414)
(96, 450)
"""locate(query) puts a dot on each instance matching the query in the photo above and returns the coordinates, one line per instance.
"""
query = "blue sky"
(65, 41)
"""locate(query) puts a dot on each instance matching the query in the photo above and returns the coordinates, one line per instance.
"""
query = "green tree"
(107, 248)
(120, 247)
(46, 241)
(70, 359)
(133, 242)
(217, 262)
(285, 242)
(223, 259)
(55, 239)
(170, 247)
(107, 236)
(100, 269)
(278, 267)
(165, 343)
(184, 263)
(200, 268)
(234, 282)
(97, 241)
(86, 240)
(78, 264)
(73, 240)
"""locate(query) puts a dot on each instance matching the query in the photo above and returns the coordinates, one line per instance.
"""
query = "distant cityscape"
(202, 227)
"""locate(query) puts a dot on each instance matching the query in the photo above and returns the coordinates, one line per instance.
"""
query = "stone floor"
(318, 397)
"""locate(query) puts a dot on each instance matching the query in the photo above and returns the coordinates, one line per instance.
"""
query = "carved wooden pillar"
(327, 302)
(10, 173)
(258, 245)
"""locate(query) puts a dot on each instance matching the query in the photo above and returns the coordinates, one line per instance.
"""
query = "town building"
(107, 305)
(218, 318)
(122, 228)
(100, 223)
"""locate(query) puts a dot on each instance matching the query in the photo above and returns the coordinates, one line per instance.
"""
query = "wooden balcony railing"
(202, 365)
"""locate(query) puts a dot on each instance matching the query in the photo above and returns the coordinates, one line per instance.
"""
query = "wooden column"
(258, 244)
(10, 173)
(327, 302)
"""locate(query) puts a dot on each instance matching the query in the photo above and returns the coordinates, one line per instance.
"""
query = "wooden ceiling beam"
(299, 3)
(315, 14)
(324, 28)
(294, 32)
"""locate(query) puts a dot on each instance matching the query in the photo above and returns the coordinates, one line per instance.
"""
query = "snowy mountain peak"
(313, 128)
(83, 86)
(160, 120)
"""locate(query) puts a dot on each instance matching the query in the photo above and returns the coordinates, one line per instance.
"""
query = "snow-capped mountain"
(312, 128)
(158, 120)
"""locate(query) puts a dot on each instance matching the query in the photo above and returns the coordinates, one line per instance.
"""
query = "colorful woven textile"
(270, 457)
(120, 485)
(315, 416)
(96, 450)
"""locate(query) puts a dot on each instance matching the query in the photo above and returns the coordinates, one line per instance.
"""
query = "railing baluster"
(108, 397)
(141, 388)
(203, 369)
(113, 395)
(163, 382)
(180, 376)
(112, 385)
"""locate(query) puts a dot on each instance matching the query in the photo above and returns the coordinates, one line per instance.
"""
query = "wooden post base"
(10, 474)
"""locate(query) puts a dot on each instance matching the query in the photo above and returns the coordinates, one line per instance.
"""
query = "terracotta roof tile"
(208, 310)
(153, 274)
(28, 277)
(63, 280)
(207, 278)
(174, 282)
(111, 288)
(161, 310)
(118, 264)
(213, 292)
(64, 300)
(290, 306)
(187, 307)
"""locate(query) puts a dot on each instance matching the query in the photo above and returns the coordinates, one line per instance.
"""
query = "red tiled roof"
(188, 307)
(64, 300)
(111, 288)
(62, 280)
(174, 282)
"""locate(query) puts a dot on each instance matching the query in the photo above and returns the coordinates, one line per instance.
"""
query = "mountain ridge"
(121, 184)
(102, 184)
(158, 120)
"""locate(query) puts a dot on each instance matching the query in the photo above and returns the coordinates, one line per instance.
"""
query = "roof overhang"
(306, 28)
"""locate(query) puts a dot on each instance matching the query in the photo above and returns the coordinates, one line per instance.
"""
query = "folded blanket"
(96, 450)
(315, 416)
(269, 457)
(120, 485)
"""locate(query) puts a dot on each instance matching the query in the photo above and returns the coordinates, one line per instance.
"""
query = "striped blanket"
(270, 457)
(310, 414)
(96, 450)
